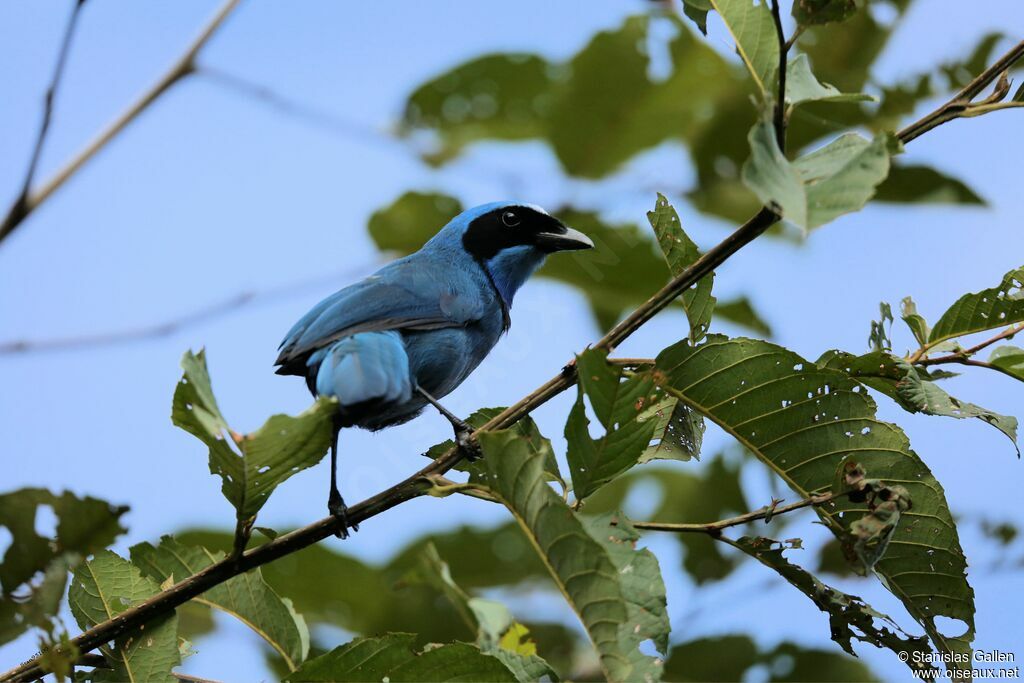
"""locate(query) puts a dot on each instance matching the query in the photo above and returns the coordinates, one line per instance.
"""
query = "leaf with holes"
(985, 310)
(802, 420)
(393, 657)
(104, 587)
(680, 253)
(246, 597)
(250, 465)
(753, 30)
(821, 186)
(850, 618)
(618, 403)
(913, 388)
(35, 568)
(678, 431)
(618, 614)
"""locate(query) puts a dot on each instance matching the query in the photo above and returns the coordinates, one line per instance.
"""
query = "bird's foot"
(336, 506)
(467, 443)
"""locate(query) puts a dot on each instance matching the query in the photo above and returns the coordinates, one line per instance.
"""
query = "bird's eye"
(510, 219)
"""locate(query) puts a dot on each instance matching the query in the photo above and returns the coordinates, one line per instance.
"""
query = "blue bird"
(409, 334)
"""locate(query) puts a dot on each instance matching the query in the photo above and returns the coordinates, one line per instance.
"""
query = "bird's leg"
(463, 432)
(335, 503)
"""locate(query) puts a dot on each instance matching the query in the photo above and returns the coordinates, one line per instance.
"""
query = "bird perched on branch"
(409, 334)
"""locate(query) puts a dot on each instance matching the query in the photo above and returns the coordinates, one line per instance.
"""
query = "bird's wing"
(406, 295)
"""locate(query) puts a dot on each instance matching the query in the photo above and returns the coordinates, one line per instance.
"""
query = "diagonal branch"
(30, 199)
(18, 209)
(421, 482)
(961, 105)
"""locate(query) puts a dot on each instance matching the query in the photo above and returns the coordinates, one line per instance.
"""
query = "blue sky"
(210, 194)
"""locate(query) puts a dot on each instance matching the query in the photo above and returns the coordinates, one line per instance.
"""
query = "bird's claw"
(336, 506)
(467, 443)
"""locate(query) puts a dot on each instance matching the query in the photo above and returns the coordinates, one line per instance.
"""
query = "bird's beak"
(565, 240)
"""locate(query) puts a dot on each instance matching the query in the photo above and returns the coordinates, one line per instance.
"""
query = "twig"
(963, 355)
(18, 209)
(780, 104)
(799, 31)
(419, 483)
(184, 66)
(715, 528)
(174, 325)
(960, 105)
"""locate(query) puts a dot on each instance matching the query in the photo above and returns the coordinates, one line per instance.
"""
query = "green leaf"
(753, 29)
(500, 96)
(924, 185)
(801, 421)
(731, 657)
(697, 12)
(837, 179)
(566, 104)
(586, 569)
(985, 310)
(914, 320)
(879, 338)
(250, 465)
(246, 597)
(35, 567)
(1009, 360)
(408, 222)
(811, 12)
(678, 431)
(802, 86)
(850, 617)
(680, 253)
(617, 403)
(498, 634)
(107, 585)
(640, 577)
(392, 657)
(927, 397)
(740, 311)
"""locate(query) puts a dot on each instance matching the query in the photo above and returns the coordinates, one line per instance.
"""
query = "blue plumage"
(387, 346)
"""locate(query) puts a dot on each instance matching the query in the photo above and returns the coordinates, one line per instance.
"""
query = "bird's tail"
(369, 366)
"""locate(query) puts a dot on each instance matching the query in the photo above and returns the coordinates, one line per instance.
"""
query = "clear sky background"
(210, 194)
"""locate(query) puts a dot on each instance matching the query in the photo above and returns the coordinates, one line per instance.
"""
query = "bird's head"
(511, 240)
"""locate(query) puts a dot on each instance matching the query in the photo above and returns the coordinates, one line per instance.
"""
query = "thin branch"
(166, 328)
(419, 483)
(18, 208)
(960, 106)
(765, 513)
(962, 356)
(182, 67)
(780, 104)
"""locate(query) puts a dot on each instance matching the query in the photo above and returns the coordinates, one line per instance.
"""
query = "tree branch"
(965, 354)
(171, 326)
(30, 200)
(18, 209)
(960, 106)
(765, 513)
(780, 104)
(420, 483)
